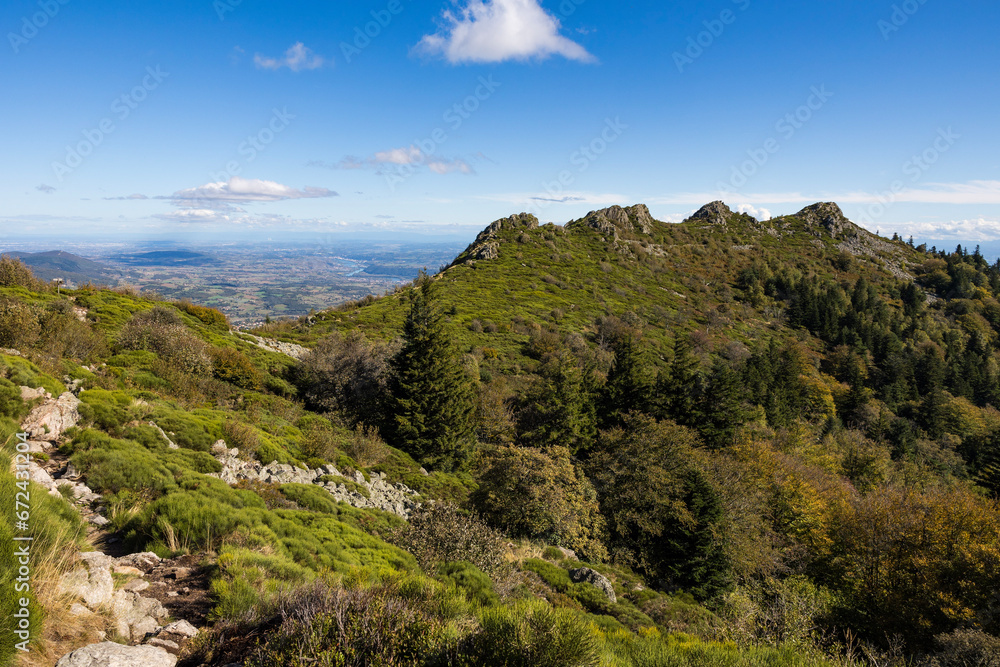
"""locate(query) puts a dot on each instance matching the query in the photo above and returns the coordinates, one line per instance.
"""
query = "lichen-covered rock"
(49, 420)
(585, 574)
(614, 219)
(716, 213)
(110, 654)
(91, 581)
(135, 616)
(826, 215)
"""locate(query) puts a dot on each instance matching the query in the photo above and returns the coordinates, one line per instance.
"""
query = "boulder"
(180, 628)
(29, 394)
(144, 561)
(92, 581)
(585, 574)
(49, 420)
(135, 616)
(110, 654)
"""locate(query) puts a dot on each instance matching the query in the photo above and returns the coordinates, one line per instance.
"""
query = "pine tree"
(678, 391)
(561, 408)
(720, 410)
(627, 388)
(434, 403)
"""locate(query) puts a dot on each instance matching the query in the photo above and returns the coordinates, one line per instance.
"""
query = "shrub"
(530, 493)
(160, 330)
(965, 648)
(553, 554)
(532, 634)
(350, 628)
(347, 375)
(209, 316)
(15, 273)
(233, 366)
(439, 533)
(19, 325)
(465, 576)
(366, 447)
(241, 436)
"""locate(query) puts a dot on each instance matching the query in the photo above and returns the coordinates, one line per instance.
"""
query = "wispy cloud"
(243, 190)
(979, 229)
(298, 57)
(134, 197)
(493, 31)
(47, 189)
(395, 158)
(542, 198)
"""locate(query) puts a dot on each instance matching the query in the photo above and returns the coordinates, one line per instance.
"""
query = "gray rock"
(136, 585)
(165, 644)
(92, 582)
(716, 213)
(219, 448)
(78, 609)
(110, 654)
(826, 215)
(144, 561)
(590, 576)
(181, 628)
(51, 418)
(134, 615)
(29, 394)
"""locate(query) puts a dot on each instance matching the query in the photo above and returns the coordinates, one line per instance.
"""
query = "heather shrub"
(965, 648)
(351, 628)
(19, 324)
(161, 330)
(230, 365)
(440, 533)
(531, 633)
(209, 316)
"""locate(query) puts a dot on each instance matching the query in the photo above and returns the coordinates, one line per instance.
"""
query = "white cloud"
(243, 190)
(47, 189)
(759, 213)
(411, 155)
(493, 31)
(298, 57)
(407, 156)
(449, 166)
(980, 229)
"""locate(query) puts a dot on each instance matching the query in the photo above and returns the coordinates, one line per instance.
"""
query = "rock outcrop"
(110, 654)
(585, 574)
(614, 219)
(381, 495)
(487, 244)
(48, 421)
(825, 215)
(288, 349)
(716, 213)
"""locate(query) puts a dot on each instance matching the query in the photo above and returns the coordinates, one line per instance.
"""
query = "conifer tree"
(678, 391)
(434, 402)
(561, 409)
(628, 387)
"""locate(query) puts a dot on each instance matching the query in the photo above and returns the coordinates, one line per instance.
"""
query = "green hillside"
(615, 442)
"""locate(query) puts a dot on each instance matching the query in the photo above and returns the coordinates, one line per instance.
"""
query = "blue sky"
(442, 115)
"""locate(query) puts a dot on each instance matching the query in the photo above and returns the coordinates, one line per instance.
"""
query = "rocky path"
(155, 606)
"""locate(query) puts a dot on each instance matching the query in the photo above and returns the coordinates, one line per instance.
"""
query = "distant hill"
(168, 258)
(72, 268)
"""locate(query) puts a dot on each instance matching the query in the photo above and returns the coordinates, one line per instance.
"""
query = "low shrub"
(233, 366)
(440, 533)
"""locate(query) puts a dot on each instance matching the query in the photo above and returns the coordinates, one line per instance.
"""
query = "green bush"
(233, 366)
(472, 581)
(440, 533)
(316, 499)
(111, 465)
(11, 404)
(532, 634)
(351, 628)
